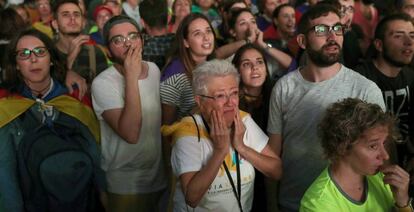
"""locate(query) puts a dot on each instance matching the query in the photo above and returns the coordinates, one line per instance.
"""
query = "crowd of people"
(206, 105)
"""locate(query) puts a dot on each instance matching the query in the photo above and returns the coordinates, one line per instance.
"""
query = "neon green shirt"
(325, 195)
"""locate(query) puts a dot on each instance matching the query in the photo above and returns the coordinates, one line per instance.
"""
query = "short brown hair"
(58, 3)
(345, 122)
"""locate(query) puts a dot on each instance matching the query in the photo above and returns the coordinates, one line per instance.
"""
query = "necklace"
(39, 93)
(252, 96)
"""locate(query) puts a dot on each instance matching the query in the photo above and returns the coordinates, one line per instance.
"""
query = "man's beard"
(324, 60)
(72, 34)
(117, 60)
(389, 59)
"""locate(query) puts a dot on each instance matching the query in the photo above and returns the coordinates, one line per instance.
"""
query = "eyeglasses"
(408, 7)
(250, 65)
(324, 30)
(24, 54)
(222, 97)
(119, 40)
(347, 9)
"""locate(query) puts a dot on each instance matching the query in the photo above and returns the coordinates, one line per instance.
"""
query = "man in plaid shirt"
(157, 40)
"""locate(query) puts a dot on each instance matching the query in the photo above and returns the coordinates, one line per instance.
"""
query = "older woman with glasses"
(216, 150)
(354, 137)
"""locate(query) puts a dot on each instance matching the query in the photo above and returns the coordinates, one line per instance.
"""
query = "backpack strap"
(198, 130)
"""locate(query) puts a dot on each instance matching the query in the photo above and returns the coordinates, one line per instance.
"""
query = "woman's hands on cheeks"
(238, 133)
(398, 179)
(219, 133)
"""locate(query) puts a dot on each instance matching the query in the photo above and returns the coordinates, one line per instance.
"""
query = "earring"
(51, 63)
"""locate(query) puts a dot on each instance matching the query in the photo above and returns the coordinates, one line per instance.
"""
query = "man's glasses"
(324, 30)
(24, 54)
(119, 40)
(222, 98)
(347, 9)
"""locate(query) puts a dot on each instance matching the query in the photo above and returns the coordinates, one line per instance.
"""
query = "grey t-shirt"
(296, 108)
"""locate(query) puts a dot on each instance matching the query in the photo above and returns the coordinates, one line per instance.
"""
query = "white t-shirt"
(189, 155)
(130, 168)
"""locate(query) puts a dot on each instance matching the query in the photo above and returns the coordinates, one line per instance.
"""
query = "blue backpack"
(56, 165)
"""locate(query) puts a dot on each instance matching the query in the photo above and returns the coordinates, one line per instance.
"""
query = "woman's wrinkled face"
(252, 69)
(33, 61)
(222, 97)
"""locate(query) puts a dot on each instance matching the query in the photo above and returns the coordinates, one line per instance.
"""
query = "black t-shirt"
(398, 93)
(351, 51)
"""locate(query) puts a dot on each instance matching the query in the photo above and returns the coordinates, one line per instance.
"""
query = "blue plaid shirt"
(156, 48)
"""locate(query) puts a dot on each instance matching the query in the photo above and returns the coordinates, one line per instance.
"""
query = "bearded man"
(300, 98)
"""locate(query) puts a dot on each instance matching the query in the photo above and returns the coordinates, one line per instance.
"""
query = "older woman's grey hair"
(212, 68)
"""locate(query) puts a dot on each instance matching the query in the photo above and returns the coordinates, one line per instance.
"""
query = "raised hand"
(219, 132)
(259, 40)
(74, 49)
(398, 179)
(252, 34)
(73, 78)
(132, 63)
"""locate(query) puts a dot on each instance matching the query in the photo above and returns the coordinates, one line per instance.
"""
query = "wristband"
(407, 208)
(268, 46)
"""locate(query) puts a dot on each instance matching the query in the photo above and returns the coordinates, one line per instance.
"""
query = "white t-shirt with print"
(190, 155)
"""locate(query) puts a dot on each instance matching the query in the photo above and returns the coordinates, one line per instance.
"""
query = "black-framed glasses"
(24, 54)
(324, 30)
(119, 40)
(222, 97)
